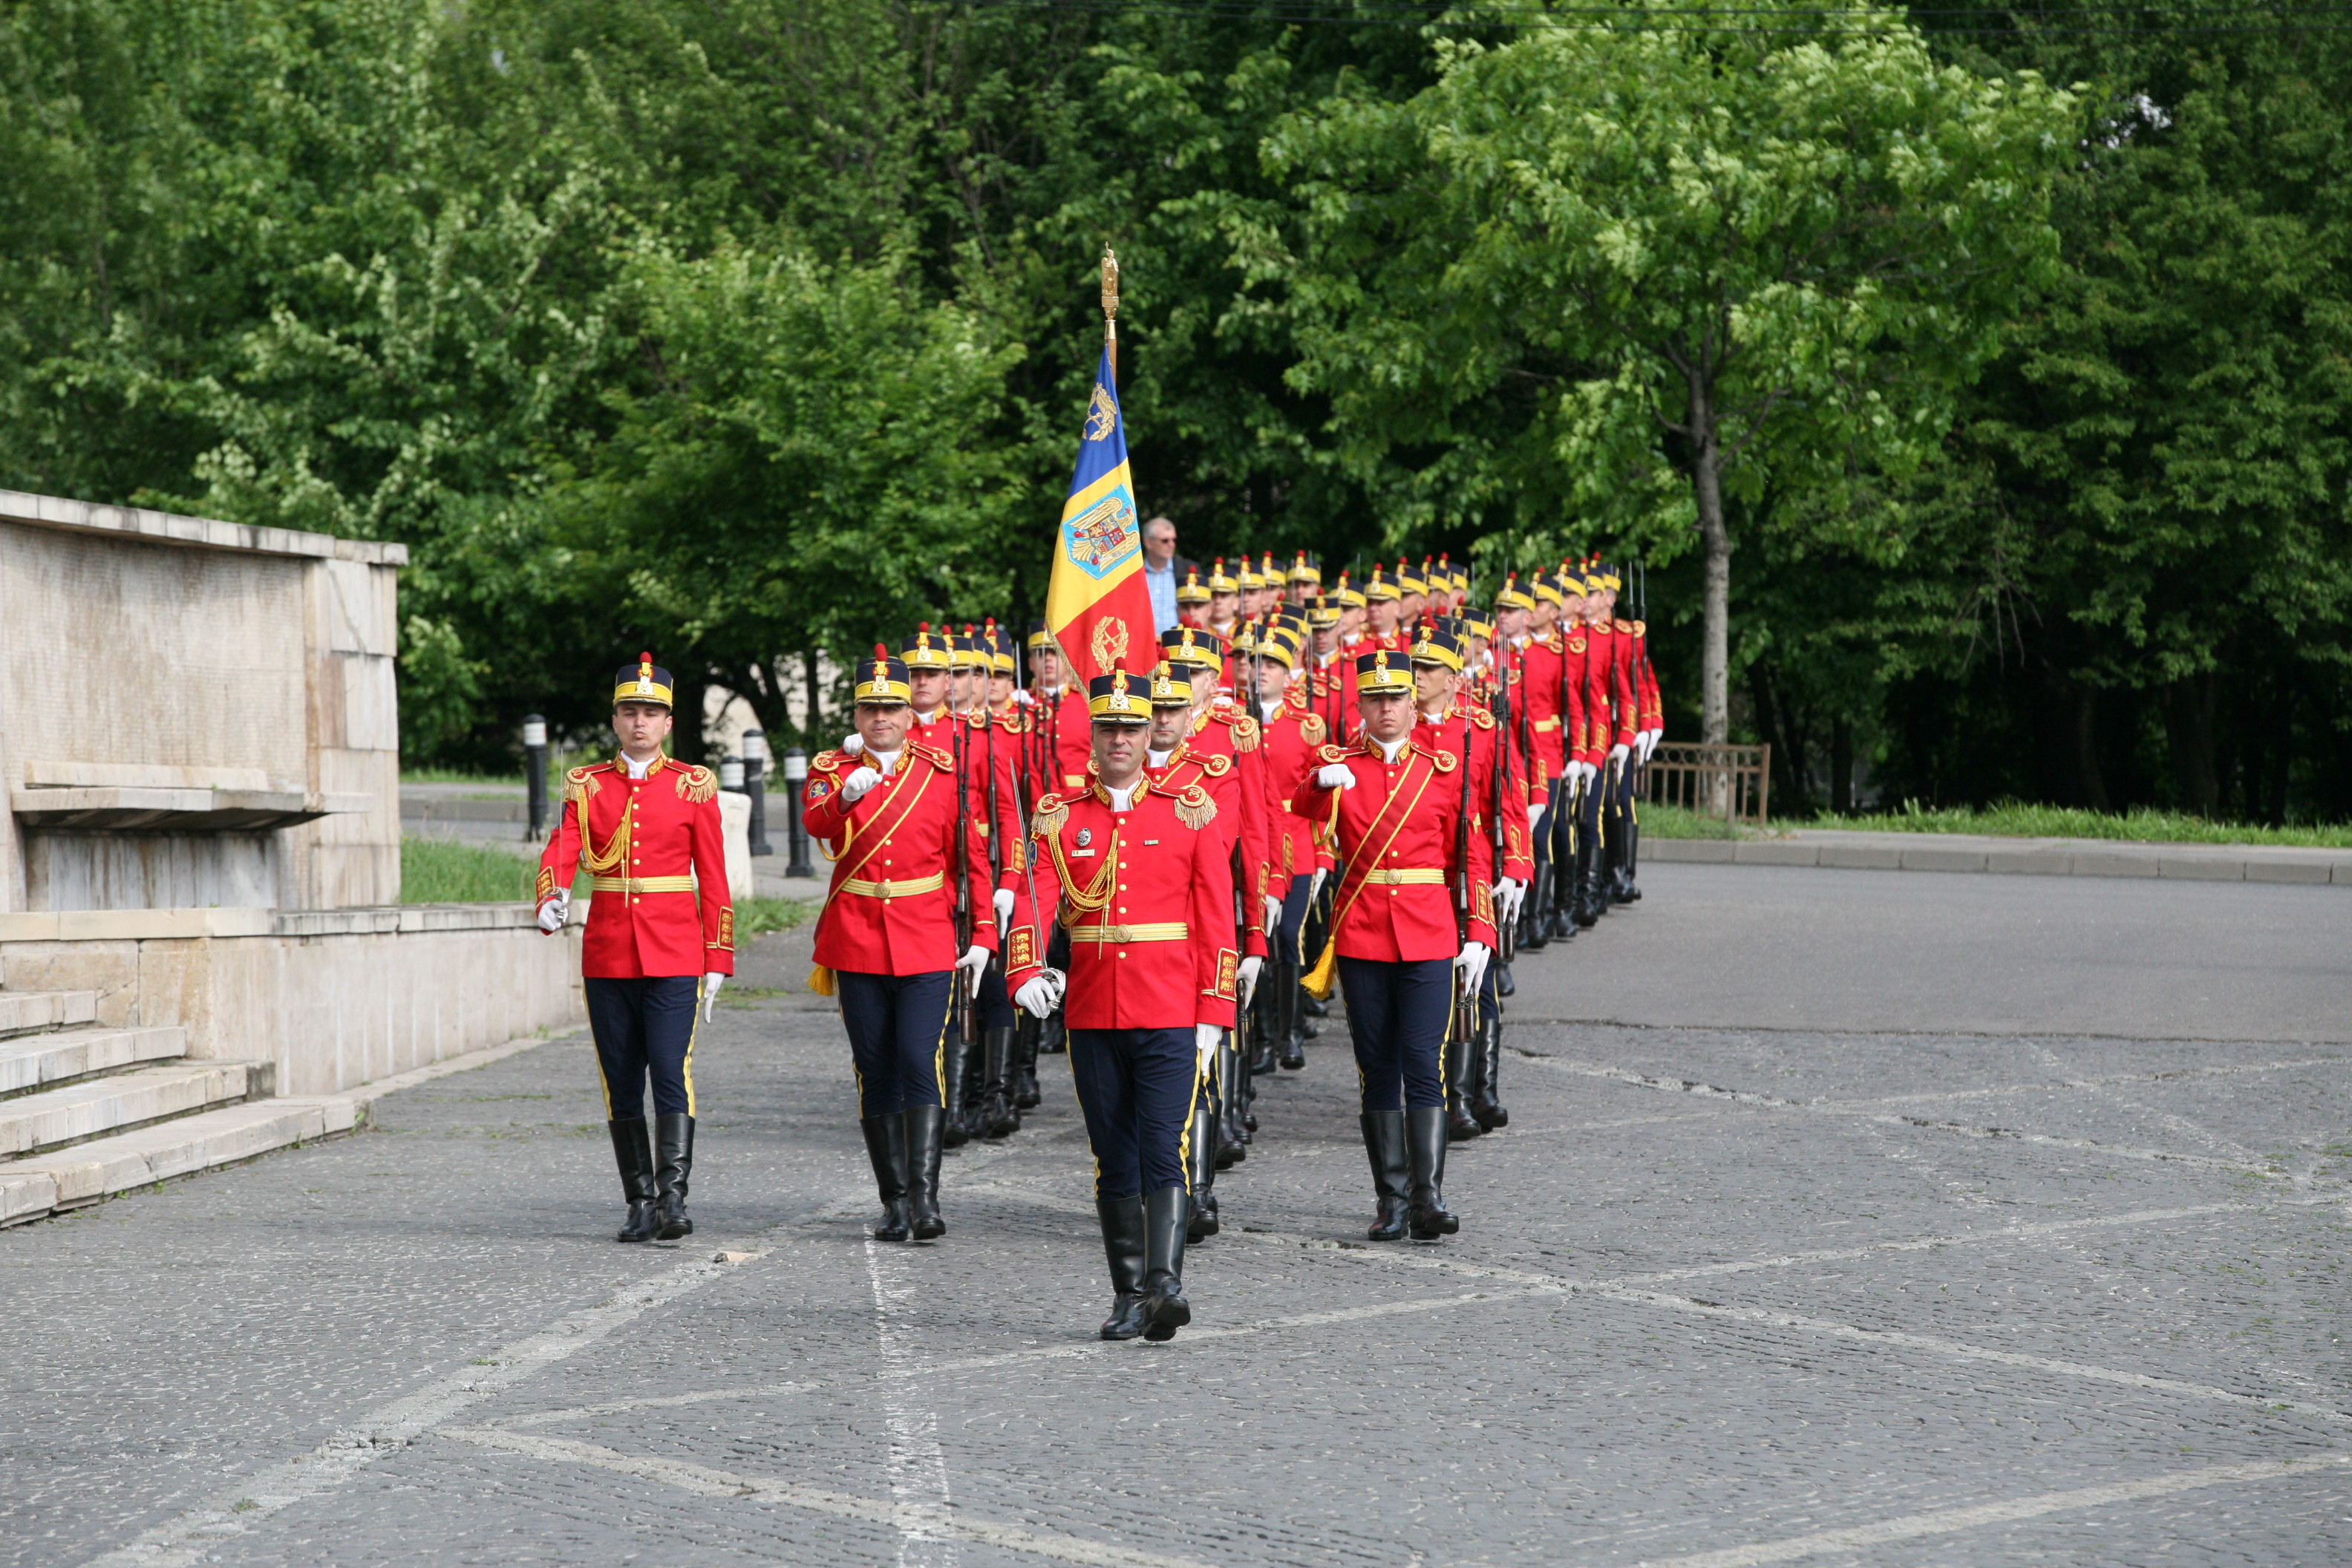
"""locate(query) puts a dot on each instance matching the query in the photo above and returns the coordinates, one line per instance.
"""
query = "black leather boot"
(1424, 1149)
(1257, 1031)
(1053, 1035)
(1123, 1248)
(1584, 895)
(1165, 1310)
(1534, 932)
(926, 1124)
(1289, 1022)
(1200, 1215)
(1315, 1007)
(1384, 1143)
(997, 1116)
(1025, 1094)
(1460, 1125)
(952, 1075)
(633, 1150)
(1504, 985)
(1233, 1140)
(885, 1149)
(1633, 860)
(673, 1169)
(1303, 1009)
(1487, 1050)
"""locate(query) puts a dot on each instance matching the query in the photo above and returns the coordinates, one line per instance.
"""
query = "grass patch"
(2013, 819)
(447, 871)
(757, 917)
(1661, 820)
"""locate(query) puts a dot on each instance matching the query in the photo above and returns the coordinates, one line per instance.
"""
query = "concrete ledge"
(172, 528)
(1845, 849)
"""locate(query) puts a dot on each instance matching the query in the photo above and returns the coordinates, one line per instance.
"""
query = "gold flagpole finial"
(1110, 305)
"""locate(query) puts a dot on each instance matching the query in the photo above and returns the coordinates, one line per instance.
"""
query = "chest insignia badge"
(1085, 837)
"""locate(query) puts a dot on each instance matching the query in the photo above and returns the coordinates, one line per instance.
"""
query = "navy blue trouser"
(1397, 1016)
(991, 1005)
(1490, 999)
(1136, 1087)
(898, 1024)
(1294, 917)
(645, 1027)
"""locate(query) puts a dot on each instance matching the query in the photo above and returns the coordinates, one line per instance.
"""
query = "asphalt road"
(1889, 1219)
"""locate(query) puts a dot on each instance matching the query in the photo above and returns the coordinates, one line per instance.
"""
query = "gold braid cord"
(616, 853)
(581, 784)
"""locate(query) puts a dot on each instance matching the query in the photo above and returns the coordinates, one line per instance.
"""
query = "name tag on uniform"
(1081, 854)
(1151, 841)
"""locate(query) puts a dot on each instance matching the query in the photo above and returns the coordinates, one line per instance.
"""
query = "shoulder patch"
(1215, 767)
(938, 757)
(1312, 729)
(1446, 762)
(1575, 645)
(825, 761)
(697, 783)
(1194, 809)
(1624, 625)
(1480, 717)
(581, 783)
(1641, 628)
(1332, 754)
(1245, 733)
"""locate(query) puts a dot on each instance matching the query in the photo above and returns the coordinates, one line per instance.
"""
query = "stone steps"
(55, 1118)
(31, 1062)
(66, 1178)
(32, 1012)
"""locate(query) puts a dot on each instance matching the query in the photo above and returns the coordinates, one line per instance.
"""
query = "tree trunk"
(1842, 765)
(1715, 655)
(2087, 749)
(2189, 728)
(815, 725)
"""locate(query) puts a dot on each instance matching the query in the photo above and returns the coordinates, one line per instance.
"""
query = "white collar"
(1122, 799)
(1389, 749)
(638, 769)
(923, 718)
(1267, 710)
(1152, 759)
(883, 763)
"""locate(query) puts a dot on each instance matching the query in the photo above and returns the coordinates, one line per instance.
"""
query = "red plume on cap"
(644, 658)
(922, 626)
(881, 652)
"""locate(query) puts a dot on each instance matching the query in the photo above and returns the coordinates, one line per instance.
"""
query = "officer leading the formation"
(660, 936)
(1140, 880)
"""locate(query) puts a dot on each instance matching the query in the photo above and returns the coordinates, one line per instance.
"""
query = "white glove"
(852, 743)
(1273, 912)
(1248, 983)
(853, 787)
(1336, 776)
(1473, 964)
(974, 963)
(1020, 694)
(1206, 1038)
(1316, 892)
(550, 914)
(1617, 753)
(1587, 772)
(1508, 894)
(1003, 907)
(1036, 996)
(711, 984)
(1536, 808)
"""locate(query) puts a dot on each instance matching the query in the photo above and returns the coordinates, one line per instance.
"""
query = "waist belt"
(1551, 723)
(887, 889)
(643, 884)
(1406, 875)
(1166, 931)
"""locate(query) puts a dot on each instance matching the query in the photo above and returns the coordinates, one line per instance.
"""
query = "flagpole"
(1110, 307)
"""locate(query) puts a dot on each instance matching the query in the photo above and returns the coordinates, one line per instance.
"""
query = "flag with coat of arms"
(1096, 605)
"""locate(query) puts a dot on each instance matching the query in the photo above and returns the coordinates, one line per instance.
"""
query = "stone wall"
(150, 660)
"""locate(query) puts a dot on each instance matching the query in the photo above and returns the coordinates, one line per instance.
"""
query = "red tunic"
(1290, 742)
(1399, 833)
(657, 858)
(1147, 897)
(1487, 753)
(1221, 777)
(1554, 706)
(891, 907)
(1224, 731)
(1061, 742)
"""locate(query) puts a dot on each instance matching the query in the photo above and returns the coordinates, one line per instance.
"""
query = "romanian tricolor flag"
(1096, 603)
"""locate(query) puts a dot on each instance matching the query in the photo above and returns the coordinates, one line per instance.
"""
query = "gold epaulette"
(1244, 732)
(1194, 809)
(1480, 717)
(1312, 729)
(1015, 722)
(581, 783)
(1446, 762)
(1047, 819)
(697, 784)
(1338, 753)
(1624, 625)
(1641, 628)
(941, 760)
(825, 762)
(1575, 645)
(1217, 767)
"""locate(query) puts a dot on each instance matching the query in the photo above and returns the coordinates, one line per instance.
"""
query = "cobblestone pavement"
(1723, 1296)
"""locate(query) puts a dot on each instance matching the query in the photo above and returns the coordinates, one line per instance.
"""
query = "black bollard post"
(755, 784)
(730, 774)
(796, 777)
(534, 764)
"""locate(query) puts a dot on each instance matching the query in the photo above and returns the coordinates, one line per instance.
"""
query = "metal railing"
(1734, 783)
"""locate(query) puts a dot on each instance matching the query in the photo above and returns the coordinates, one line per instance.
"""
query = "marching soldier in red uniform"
(1139, 878)
(1445, 723)
(1290, 734)
(1058, 710)
(1382, 612)
(888, 817)
(1412, 918)
(660, 938)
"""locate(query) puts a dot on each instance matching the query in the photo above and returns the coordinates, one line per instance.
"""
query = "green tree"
(1600, 280)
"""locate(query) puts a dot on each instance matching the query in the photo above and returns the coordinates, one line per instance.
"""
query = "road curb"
(2024, 857)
